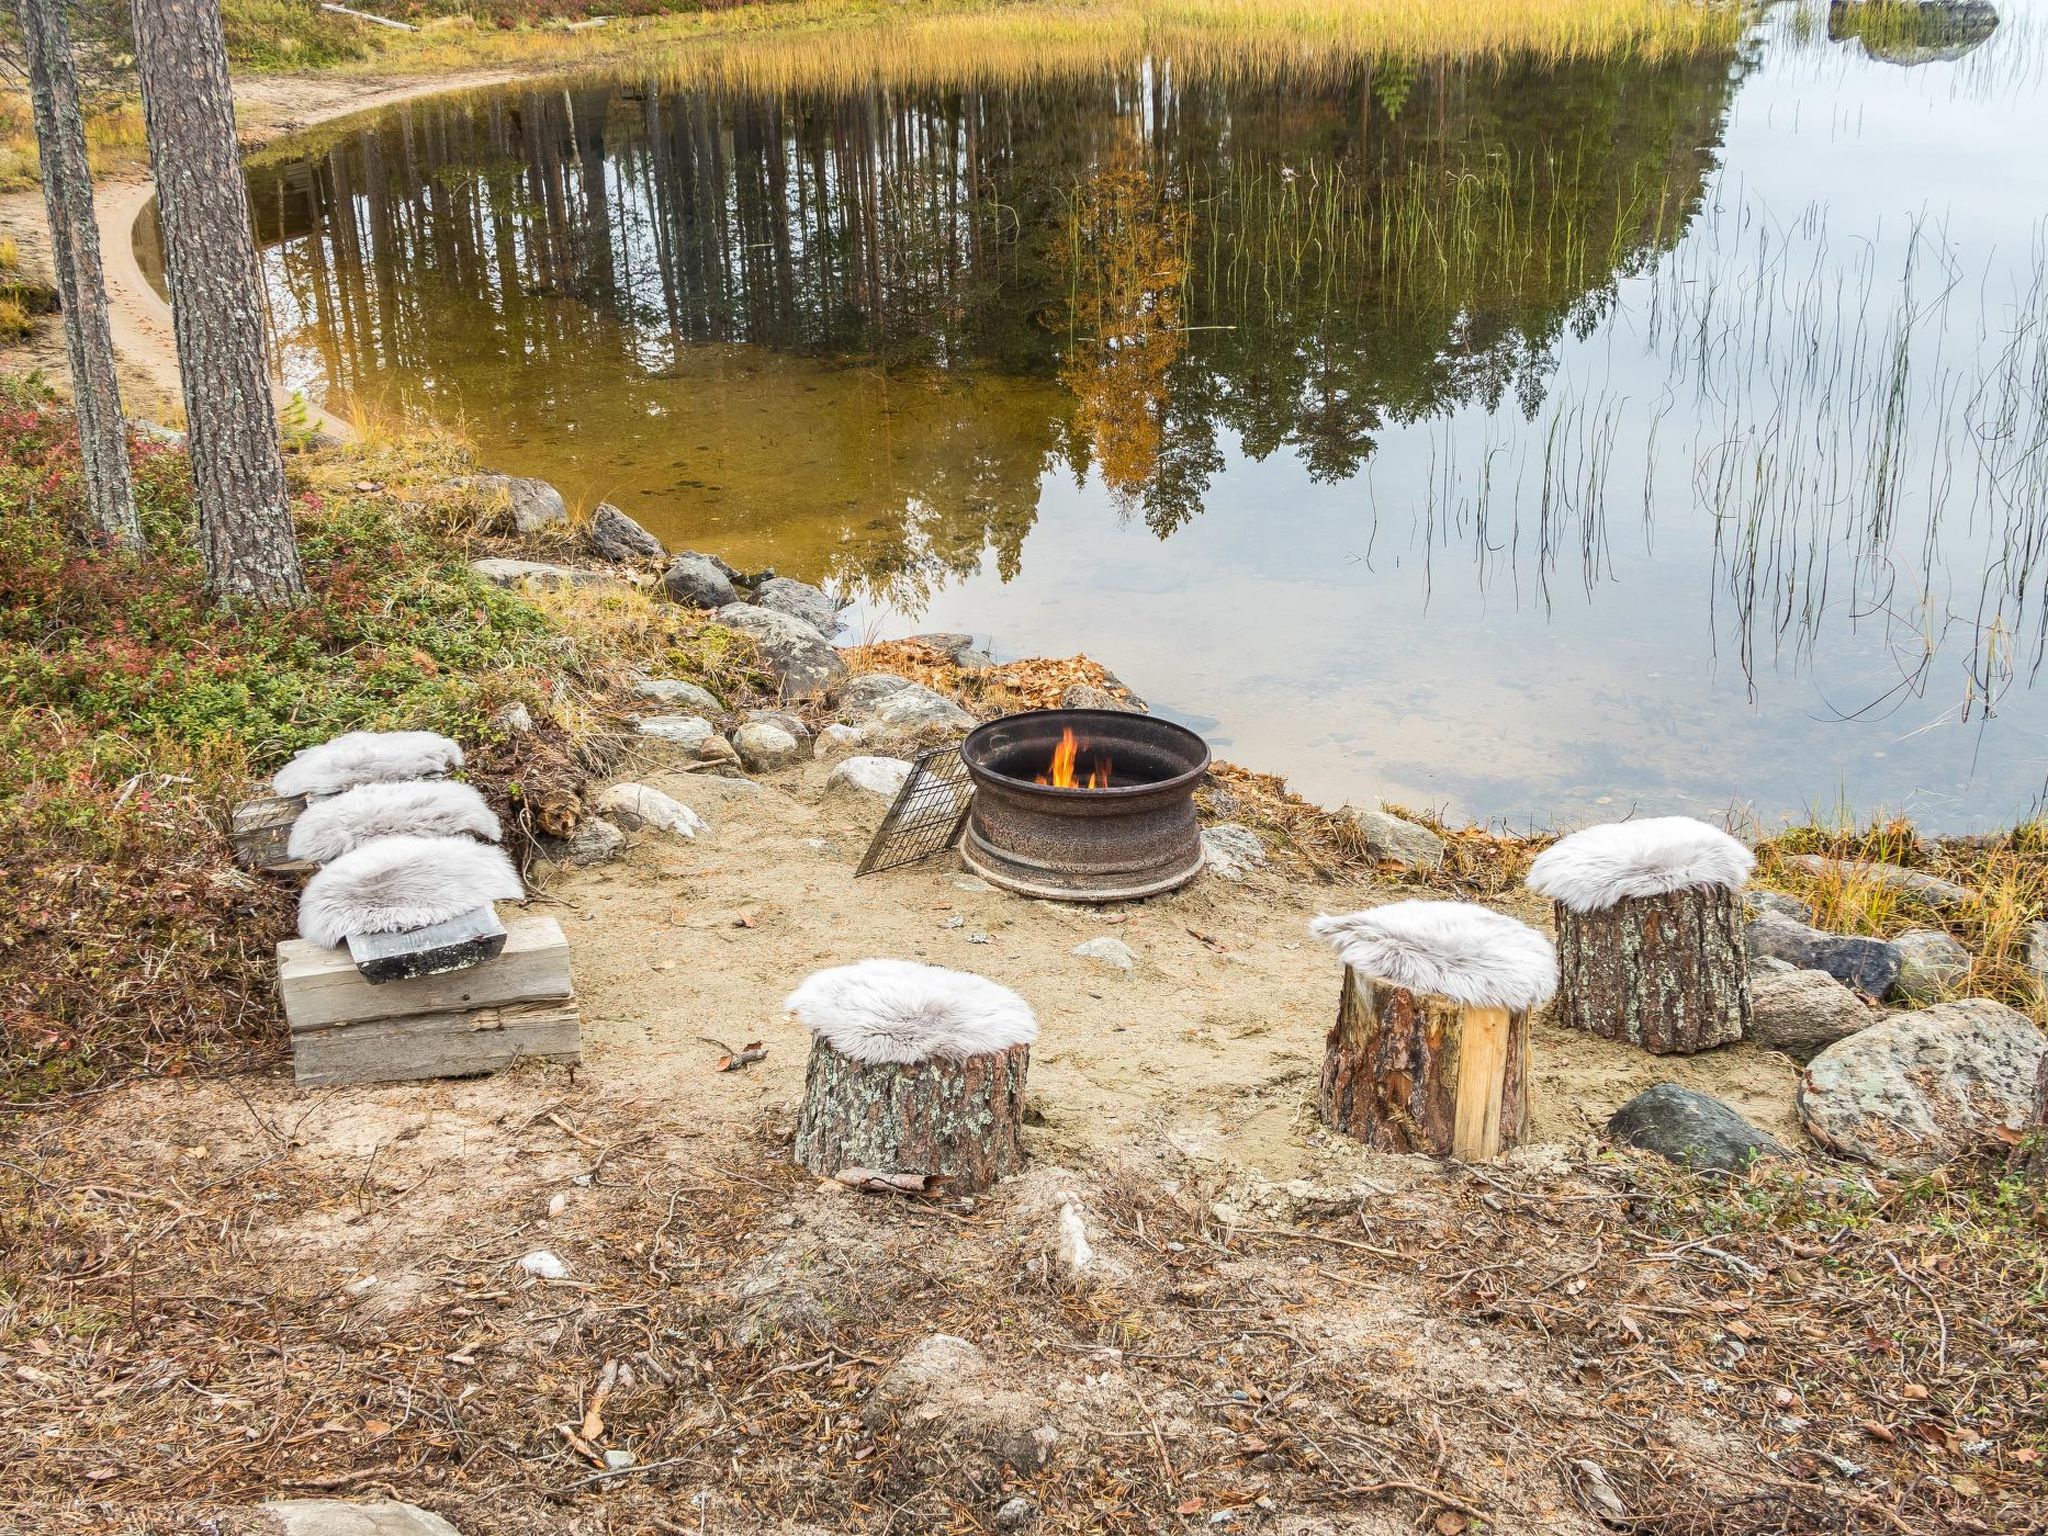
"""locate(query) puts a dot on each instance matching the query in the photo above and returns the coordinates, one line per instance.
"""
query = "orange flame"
(1063, 759)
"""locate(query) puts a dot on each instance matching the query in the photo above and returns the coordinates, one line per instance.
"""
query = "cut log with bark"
(1667, 973)
(1407, 1071)
(956, 1120)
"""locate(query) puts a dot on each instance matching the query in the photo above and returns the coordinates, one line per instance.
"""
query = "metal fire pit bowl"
(1136, 838)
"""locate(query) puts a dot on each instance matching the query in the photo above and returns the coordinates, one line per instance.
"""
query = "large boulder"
(680, 730)
(1389, 837)
(791, 650)
(801, 601)
(612, 535)
(1929, 890)
(1913, 32)
(527, 505)
(1915, 1090)
(1088, 696)
(699, 581)
(1777, 901)
(1932, 964)
(338, 1517)
(1871, 966)
(692, 697)
(868, 783)
(500, 571)
(765, 746)
(898, 706)
(1802, 1013)
(1691, 1128)
(1231, 851)
(640, 805)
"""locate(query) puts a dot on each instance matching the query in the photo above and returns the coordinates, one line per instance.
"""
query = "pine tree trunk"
(1409, 1072)
(956, 1120)
(2035, 1164)
(75, 254)
(245, 525)
(1668, 973)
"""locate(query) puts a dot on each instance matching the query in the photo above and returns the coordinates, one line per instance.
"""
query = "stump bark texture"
(1410, 1072)
(1667, 973)
(956, 1120)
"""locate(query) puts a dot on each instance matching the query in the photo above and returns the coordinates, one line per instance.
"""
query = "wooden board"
(260, 830)
(430, 1045)
(434, 950)
(322, 989)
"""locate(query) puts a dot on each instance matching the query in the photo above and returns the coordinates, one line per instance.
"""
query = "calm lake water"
(1539, 443)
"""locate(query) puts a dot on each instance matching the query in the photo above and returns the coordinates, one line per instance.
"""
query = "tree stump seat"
(1430, 1051)
(913, 1070)
(1650, 932)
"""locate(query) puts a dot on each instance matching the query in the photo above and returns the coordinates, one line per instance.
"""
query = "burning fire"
(1063, 758)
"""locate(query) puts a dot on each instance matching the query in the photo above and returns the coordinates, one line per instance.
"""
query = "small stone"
(872, 782)
(503, 572)
(763, 748)
(528, 505)
(618, 1461)
(698, 581)
(1868, 965)
(612, 535)
(1802, 1013)
(640, 805)
(515, 719)
(1915, 1090)
(1088, 696)
(543, 1265)
(1014, 1514)
(1778, 902)
(791, 650)
(837, 741)
(1931, 965)
(1231, 851)
(1114, 953)
(674, 690)
(801, 601)
(683, 730)
(718, 751)
(595, 841)
(971, 883)
(1691, 1128)
(341, 1517)
(1931, 890)
(1389, 837)
(792, 723)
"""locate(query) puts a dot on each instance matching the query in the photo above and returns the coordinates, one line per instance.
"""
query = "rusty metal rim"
(1086, 895)
(977, 762)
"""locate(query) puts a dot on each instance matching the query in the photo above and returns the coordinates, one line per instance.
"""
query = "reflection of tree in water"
(1293, 262)
(1125, 259)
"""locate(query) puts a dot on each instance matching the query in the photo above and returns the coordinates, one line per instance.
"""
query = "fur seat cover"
(329, 828)
(396, 884)
(898, 1010)
(366, 757)
(1591, 870)
(1455, 949)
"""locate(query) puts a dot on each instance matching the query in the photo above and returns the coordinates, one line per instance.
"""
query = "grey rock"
(1771, 965)
(1231, 851)
(640, 805)
(1930, 890)
(1931, 965)
(1916, 32)
(674, 690)
(698, 581)
(503, 572)
(718, 751)
(1113, 953)
(801, 601)
(764, 747)
(618, 1461)
(960, 650)
(837, 741)
(612, 535)
(1915, 1090)
(1389, 837)
(1691, 1128)
(595, 841)
(682, 730)
(903, 708)
(870, 782)
(157, 430)
(1868, 965)
(1802, 1013)
(1088, 696)
(339, 1517)
(791, 723)
(1016, 1513)
(790, 649)
(515, 719)
(529, 505)
(863, 692)
(1779, 903)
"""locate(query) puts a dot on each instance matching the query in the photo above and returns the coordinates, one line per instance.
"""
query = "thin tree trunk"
(75, 253)
(2036, 1161)
(245, 524)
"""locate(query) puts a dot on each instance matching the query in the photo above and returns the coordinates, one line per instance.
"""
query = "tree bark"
(956, 1120)
(75, 254)
(245, 525)
(2035, 1161)
(1668, 973)
(1410, 1072)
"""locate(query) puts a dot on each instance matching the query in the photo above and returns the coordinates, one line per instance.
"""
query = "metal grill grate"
(928, 814)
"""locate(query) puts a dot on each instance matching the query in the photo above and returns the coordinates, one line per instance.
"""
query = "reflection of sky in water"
(1399, 633)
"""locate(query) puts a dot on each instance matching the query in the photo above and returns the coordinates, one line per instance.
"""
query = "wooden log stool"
(1650, 933)
(914, 1070)
(1430, 1052)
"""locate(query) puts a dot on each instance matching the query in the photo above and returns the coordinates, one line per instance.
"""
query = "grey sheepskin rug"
(327, 829)
(898, 1010)
(396, 884)
(1591, 870)
(366, 757)
(1455, 949)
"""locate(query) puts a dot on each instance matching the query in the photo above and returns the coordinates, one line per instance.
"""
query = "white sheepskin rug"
(396, 884)
(366, 757)
(327, 829)
(898, 1010)
(1591, 870)
(1452, 948)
